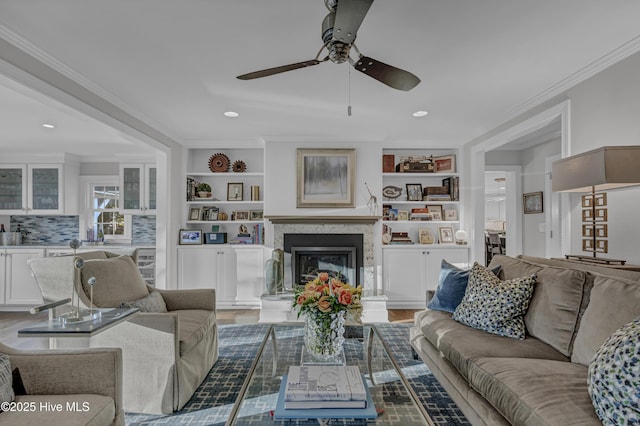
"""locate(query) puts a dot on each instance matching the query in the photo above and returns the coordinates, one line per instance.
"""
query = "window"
(102, 215)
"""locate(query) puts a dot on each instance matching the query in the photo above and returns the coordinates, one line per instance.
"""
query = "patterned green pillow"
(6, 390)
(614, 377)
(493, 305)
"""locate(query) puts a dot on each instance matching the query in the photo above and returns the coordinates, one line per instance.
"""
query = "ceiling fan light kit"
(339, 31)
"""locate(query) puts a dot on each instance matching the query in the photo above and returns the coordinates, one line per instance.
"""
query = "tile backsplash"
(61, 229)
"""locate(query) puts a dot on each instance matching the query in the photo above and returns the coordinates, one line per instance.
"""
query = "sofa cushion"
(6, 388)
(117, 280)
(614, 377)
(493, 305)
(92, 410)
(613, 303)
(152, 303)
(451, 287)
(555, 307)
(535, 392)
(462, 345)
(194, 324)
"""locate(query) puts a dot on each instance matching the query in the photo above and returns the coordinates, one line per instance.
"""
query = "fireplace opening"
(339, 254)
(338, 262)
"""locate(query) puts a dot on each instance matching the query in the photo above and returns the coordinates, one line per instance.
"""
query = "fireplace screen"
(308, 262)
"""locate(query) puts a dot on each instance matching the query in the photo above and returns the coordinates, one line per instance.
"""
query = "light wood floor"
(11, 322)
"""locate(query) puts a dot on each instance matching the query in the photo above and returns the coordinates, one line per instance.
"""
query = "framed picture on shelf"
(425, 236)
(234, 191)
(393, 214)
(435, 209)
(212, 213)
(194, 213)
(403, 215)
(241, 215)
(414, 192)
(326, 177)
(445, 164)
(256, 214)
(436, 216)
(451, 215)
(532, 202)
(190, 236)
(446, 234)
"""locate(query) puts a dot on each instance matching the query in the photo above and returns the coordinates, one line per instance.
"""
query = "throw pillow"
(493, 305)
(614, 377)
(6, 388)
(117, 280)
(451, 287)
(152, 303)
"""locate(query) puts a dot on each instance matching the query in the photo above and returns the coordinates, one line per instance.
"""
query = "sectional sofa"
(543, 378)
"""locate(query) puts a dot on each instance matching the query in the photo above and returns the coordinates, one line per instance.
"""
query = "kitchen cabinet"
(138, 188)
(17, 286)
(209, 267)
(409, 271)
(32, 189)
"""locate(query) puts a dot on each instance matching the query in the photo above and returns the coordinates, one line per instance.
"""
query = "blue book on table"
(323, 413)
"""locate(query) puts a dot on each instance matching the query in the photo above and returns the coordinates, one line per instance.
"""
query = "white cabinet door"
(457, 256)
(138, 188)
(46, 187)
(21, 287)
(404, 277)
(204, 267)
(13, 188)
(150, 188)
(250, 279)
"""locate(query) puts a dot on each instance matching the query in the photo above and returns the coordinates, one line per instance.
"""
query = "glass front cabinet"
(31, 189)
(138, 188)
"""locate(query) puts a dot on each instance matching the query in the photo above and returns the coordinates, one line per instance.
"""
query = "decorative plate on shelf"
(239, 166)
(219, 163)
(391, 192)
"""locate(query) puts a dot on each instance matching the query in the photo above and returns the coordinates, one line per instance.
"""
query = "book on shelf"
(325, 386)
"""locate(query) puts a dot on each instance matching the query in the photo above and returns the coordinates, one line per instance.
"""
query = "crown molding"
(597, 66)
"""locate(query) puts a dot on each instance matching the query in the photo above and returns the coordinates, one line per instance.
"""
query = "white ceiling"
(173, 65)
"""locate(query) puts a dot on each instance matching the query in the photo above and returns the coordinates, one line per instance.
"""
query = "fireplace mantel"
(280, 220)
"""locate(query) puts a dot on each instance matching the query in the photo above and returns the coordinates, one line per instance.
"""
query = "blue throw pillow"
(451, 287)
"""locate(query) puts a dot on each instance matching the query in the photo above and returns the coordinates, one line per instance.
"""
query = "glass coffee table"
(282, 347)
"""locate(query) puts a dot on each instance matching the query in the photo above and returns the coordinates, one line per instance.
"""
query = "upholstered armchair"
(89, 379)
(167, 350)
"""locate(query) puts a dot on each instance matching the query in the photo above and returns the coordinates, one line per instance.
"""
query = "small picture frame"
(212, 213)
(451, 215)
(436, 216)
(445, 164)
(414, 192)
(446, 235)
(532, 202)
(190, 236)
(256, 215)
(435, 209)
(235, 191)
(403, 215)
(194, 213)
(393, 214)
(425, 236)
(241, 215)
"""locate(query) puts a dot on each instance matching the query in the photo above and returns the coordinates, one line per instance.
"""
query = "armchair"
(91, 376)
(167, 350)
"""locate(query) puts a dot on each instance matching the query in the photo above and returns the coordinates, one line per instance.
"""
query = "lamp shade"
(601, 169)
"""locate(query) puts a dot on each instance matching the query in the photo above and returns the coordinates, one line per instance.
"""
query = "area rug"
(213, 400)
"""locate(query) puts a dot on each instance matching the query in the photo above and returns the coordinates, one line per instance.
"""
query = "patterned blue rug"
(213, 400)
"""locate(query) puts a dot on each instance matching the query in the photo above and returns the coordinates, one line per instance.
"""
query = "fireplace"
(338, 254)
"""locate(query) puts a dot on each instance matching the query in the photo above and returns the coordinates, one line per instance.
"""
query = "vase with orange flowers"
(325, 302)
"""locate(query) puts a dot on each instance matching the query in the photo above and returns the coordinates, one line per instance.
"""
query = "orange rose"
(301, 299)
(324, 305)
(344, 298)
(323, 276)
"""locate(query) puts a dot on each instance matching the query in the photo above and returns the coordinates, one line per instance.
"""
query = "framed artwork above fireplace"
(325, 178)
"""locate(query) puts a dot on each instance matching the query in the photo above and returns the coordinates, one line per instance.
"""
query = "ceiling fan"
(339, 30)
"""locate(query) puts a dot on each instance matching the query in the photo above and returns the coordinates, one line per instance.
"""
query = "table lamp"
(592, 172)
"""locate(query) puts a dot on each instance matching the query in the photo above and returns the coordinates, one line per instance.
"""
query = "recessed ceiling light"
(420, 113)
(231, 114)
(48, 126)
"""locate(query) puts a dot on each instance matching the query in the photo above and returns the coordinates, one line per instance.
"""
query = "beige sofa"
(166, 353)
(541, 380)
(91, 379)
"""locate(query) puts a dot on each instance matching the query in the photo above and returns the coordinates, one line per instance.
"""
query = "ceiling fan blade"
(349, 16)
(277, 70)
(387, 74)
